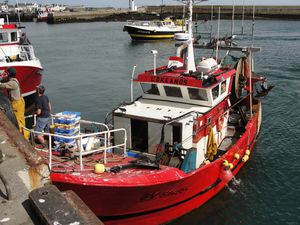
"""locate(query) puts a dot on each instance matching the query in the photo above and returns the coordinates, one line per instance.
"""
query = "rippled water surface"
(88, 68)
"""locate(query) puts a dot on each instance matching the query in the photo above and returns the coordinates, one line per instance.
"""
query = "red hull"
(41, 19)
(28, 77)
(160, 196)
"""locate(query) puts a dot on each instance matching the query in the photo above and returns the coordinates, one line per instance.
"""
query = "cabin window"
(173, 91)
(13, 36)
(3, 37)
(223, 87)
(197, 94)
(151, 89)
(215, 92)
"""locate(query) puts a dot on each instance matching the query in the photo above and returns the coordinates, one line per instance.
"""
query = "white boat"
(20, 55)
(154, 30)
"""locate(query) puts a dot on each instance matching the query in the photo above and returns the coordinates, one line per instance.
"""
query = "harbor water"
(88, 68)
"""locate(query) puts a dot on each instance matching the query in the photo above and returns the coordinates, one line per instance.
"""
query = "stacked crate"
(66, 124)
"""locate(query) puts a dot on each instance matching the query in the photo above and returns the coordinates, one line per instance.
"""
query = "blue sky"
(124, 3)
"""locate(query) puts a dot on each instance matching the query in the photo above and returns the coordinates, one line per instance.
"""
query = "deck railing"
(26, 52)
(82, 140)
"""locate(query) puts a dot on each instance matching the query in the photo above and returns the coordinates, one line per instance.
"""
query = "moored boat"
(41, 17)
(154, 30)
(170, 150)
(16, 53)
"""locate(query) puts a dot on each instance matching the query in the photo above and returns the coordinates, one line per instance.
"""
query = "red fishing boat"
(170, 150)
(16, 51)
(41, 16)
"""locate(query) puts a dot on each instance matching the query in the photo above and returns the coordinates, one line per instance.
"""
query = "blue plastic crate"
(65, 140)
(66, 131)
(133, 154)
(67, 117)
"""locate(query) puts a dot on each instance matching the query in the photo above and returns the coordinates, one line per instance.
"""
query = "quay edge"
(155, 12)
(286, 12)
(24, 181)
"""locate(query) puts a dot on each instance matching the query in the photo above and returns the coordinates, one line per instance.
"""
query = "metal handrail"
(80, 136)
(26, 52)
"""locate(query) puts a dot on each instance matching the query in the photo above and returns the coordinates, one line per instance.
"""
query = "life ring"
(220, 123)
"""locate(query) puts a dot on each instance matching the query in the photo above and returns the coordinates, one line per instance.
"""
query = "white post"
(50, 152)
(154, 52)
(131, 83)
(105, 147)
(190, 64)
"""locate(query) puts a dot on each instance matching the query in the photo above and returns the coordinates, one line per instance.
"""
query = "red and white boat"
(41, 16)
(189, 133)
(20, 56)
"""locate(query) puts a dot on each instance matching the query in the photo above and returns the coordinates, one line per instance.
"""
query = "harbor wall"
(157, 12)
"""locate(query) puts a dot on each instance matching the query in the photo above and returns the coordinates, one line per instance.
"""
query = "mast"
(18, 12)
(211, 20)
(251, 67)
(232, 19)
(190, 59)
(243, 17)
(218, 34)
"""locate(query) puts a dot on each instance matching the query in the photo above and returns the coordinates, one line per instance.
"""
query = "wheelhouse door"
(139, 135)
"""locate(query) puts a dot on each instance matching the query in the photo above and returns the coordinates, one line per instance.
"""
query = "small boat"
(41, 17)
(19, 53)
(170, 150)
(154, 30)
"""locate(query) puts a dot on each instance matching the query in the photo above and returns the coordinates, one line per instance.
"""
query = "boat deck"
(69, 167)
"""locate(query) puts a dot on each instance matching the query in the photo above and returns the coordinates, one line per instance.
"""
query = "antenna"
(218, 34)
(211, 20)
(18, 12)
(232, 19)
(243, 18)
(253, 23)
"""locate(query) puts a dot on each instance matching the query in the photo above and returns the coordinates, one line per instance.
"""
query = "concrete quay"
(155, 12)
(21, 171)
(26, 195)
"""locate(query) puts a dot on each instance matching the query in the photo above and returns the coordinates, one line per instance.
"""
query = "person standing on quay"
(15, 97)
(43, 111)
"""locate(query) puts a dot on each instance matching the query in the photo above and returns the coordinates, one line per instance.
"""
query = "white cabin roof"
(159, 110)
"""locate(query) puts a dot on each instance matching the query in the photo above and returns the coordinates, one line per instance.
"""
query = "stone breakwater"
(156, 12)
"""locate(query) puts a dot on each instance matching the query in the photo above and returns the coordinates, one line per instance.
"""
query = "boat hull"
(42, 19)
(170, 195)
(29, 77)
(137, 33)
